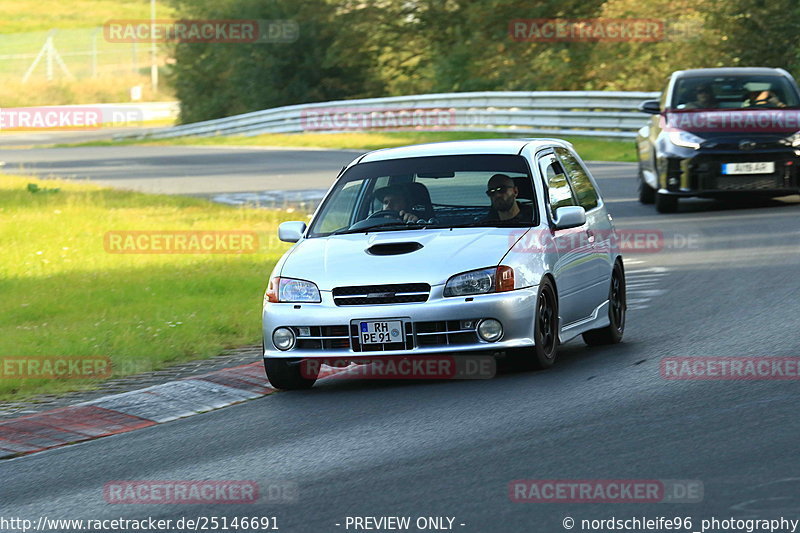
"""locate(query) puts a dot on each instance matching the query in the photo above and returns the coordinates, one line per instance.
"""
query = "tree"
(330, 60)
(763, 33)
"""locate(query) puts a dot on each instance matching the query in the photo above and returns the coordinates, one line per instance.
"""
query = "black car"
(720, 132)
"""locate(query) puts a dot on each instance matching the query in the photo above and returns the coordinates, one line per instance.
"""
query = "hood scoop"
(394, 248)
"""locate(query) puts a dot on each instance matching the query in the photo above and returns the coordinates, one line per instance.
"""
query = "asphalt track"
(724, 284)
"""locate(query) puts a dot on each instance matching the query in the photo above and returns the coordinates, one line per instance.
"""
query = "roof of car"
(472, 147)
(729, 71)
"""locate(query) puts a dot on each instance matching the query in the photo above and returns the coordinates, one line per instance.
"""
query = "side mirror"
(652, 107)
(291, 231)
(570, 217)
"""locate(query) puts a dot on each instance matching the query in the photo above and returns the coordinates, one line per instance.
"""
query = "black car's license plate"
(759, 167)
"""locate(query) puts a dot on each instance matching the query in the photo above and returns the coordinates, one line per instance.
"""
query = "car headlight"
(289, 290)
(485, 280)
(685, 139)
(793, 140)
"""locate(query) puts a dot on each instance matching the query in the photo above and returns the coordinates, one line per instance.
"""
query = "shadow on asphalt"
(570, 358)
(707, 205)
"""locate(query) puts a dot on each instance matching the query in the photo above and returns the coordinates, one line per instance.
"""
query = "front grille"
(381, 294)
(706, 173)
(746, 183)
(446, 332)
(733, 145)
(427, 334)
(323, 338)
(407, 344)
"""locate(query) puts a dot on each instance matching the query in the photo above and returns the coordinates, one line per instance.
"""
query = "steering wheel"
(385, 213)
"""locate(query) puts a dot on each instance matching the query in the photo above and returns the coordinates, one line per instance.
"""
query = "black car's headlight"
(793, 140)
(685, 139)
(482, 281)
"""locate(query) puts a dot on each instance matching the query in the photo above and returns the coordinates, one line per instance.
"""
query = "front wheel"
(647, 195)
(290, 374)
(543, 354)
(617, 307)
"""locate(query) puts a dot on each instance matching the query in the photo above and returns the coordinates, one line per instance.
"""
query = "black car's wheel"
(543, 354)
(617, 307)
(290, 374)
(666, 203)
(647, 194)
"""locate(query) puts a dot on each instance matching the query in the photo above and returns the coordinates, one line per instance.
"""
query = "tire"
(543, 354)
(647, 194)
(666, 203)
(286, 376)
(617, 307)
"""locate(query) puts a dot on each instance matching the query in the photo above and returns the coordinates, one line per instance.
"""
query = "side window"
(581, 184)
(558, 189)
(338, 213)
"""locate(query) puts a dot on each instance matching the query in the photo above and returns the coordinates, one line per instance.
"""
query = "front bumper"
(432, 327)
(685, 172)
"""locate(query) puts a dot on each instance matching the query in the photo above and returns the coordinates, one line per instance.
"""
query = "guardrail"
(575, 113)
(107, 115)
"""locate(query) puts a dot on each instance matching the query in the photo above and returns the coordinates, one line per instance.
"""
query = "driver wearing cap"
(396, 198)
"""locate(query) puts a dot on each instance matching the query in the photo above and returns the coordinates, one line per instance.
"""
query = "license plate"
(381, 332)
(766, 167)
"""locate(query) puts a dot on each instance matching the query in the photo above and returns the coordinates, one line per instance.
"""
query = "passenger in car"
(762, 99)
(505, 207)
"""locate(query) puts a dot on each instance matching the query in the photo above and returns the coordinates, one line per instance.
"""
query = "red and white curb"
(133, 410)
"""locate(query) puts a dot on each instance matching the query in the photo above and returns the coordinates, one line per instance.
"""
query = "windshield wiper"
(386, 226)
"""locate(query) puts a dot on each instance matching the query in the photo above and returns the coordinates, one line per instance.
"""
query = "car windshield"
(734, 92)
(429, 192)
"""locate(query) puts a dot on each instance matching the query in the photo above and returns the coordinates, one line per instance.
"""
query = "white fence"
(71, 54)
(574, 113)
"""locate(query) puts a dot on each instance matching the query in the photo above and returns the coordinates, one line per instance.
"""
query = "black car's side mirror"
(652, 107)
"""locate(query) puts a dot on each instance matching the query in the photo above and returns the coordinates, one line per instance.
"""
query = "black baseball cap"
(397, 190)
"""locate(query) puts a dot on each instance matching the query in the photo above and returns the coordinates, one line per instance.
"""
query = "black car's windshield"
(429, 192)
(734, 92)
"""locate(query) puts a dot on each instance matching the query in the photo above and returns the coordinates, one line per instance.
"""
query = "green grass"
(589, 149)
(63, 294)
(99, 71)
(41, 15)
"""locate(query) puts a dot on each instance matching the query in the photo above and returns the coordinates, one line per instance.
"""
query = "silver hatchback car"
(492, 246)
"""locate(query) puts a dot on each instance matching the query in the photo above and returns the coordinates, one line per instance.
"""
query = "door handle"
(590, 234)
